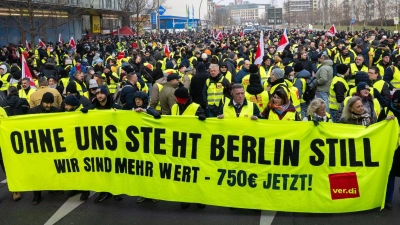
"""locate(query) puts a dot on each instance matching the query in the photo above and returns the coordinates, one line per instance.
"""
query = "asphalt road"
(56, 209)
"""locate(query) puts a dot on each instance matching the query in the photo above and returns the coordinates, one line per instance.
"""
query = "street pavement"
(56, 209)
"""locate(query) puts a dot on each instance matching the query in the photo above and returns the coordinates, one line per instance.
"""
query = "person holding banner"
(238, 106)
(317, 112)
(391, 112)
(185, 106)
(280, 108)
(354, 113)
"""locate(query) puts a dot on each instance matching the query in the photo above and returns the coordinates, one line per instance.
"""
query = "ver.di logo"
(344, 185)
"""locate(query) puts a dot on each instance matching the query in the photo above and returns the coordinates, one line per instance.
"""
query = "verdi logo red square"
(344, 185)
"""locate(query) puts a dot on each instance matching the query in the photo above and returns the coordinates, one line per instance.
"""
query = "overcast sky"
(277, 2)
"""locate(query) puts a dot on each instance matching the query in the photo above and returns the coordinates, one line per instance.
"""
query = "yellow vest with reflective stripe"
(261, 100)
(292, 93)
(79, 89)
(246, 112)
(246, 81)
(160, 87)
(228, 76)
(354, 70)
(21, 94)
(64, 82)
(333, 104)
(396, 78)
(303, 87)
(189, 111)
(4, 79)
(214, 91)
(265, 74)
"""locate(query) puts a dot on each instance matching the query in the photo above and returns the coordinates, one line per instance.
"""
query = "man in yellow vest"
(213, 90)
(381, 87)
(185, 106)
(238, 106)
(338, 90)
(384, 63)
(391, 76)
(354, 68)
(26, 91)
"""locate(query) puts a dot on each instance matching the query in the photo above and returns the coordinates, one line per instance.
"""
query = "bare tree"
(381, 8)
(286, 8)
(33, 17)
(140, 9)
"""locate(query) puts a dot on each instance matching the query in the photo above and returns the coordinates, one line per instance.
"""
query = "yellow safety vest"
(390, 113)
(228, 76)
(303, 87)
(21, 94)
(160, 87)
(4, 79)
(289, 116)
(354, 70)
(246, 81)
(79, 89)
(246, 112)
(261, 100)
(265, 74)
(396, 77)
(189, 111)
(292, 93)
(333, 104)
(64, 82)
(214, 91)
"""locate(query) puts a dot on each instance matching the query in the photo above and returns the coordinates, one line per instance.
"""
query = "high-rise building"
(302, 5)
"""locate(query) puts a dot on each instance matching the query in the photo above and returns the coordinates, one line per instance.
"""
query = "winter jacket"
(304, 74)
(197, 85)
(49, 69)
(40, 109)
(155, 93)
(324, 76)
(36, 97)
(109, 105)
(145, 98)
(242, 73)
(167, 98)
(16, 106)
(127, 94)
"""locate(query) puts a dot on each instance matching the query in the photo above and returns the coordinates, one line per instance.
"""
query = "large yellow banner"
(96, 26)
(269, 165)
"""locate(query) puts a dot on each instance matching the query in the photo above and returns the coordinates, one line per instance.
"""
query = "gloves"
(202, 118)
(157, 116)
(84, 110)
(316, 122)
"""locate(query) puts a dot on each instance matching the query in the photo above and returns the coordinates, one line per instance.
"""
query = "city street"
(56, 209)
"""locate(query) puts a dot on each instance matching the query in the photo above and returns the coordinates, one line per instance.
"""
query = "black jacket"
(197, 85)
(16, 106)
(127, 95)
(49, 69)
(109, 105)
(39, 109)
(145, 98)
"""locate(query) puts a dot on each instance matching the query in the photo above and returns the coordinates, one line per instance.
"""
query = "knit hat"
(93, 84)
(17, 74)
(48, 97)
(342, 69)
(173, 76)
(362, 86)
(288, 70)
(71, 88)
(204, 56)
(396, 96)
(385, 54)
(298, 67)
(4, 67)
(169, 65)
(103, 89)
(361, 76)
(182, 92)
(89, 69)
(253, 68)
(265, 57)
(72, 100)
(254, 78)
(278, 73)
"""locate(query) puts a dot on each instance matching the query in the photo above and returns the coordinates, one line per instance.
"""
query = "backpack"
(311, 89)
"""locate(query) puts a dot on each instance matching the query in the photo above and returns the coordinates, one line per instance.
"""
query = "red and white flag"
(72, 43)
(27, 45)
(219, 36)
(166, 49)
(27, 73)
(60, 39)
(42, 44)
(260, 50)
(332, 31)
(283, 42)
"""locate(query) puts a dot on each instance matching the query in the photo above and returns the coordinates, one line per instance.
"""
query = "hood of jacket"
(143, 96)
(303, 74)
(327, 62)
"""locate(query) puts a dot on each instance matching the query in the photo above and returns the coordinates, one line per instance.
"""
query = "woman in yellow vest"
(317, 112)
(389, 113)
(370, 112)
(280, 108)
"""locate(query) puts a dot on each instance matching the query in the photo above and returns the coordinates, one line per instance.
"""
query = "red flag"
(283, 42)
(27, 45)
(41, 44)
(27, 73)
(241, 34)
(219, 35)
(260, 50)
(60, 39)
(72, 43)
(332, 31)
(166, 49)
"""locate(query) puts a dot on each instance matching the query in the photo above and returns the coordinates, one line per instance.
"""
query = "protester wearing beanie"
(289, 72)
(338, 90)
(72, 103)
(301, 77)
(276, 79)
(71, 90)
(389, 113)
(370, 104)
(185, 106)
(255, 92)
(253, 69)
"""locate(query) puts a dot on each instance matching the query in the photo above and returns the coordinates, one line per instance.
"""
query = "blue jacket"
(73, 70)
(239, 76)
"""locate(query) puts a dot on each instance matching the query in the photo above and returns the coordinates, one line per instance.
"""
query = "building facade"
(22, 20)
(303, 5)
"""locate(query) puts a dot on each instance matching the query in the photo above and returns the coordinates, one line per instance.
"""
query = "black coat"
(197, 85)
(39, 109)
(16, 106)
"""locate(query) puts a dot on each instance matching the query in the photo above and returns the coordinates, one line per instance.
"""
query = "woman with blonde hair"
(278, 62)
(317, 111)
(354, 113)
